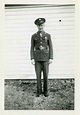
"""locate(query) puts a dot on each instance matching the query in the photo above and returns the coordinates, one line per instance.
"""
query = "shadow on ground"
(21, 95)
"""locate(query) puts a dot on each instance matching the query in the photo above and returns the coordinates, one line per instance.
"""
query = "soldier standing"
(41, 55)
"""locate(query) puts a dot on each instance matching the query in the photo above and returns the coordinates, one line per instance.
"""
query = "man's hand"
(50, 61)
(33, 61)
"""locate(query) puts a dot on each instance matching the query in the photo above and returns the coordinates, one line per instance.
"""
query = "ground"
(21, 95)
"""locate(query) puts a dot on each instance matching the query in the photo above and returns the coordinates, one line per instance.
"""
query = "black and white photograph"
(39, 57)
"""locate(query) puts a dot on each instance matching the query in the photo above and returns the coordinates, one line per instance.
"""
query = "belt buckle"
(41, 47)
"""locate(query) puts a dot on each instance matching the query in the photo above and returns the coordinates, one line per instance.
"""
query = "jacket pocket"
(45, 51)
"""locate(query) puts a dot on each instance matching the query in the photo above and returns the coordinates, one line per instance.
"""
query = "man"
(41, 55)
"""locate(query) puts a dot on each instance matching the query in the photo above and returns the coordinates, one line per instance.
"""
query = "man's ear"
(37, 26)
(44, 25)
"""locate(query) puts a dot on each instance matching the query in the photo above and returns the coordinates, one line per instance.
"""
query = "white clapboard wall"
(19, 26)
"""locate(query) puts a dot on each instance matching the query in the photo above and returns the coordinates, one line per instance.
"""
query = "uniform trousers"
(42, 66)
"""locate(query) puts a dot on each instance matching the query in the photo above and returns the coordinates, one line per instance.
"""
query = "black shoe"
(37, 95)
(46, 94)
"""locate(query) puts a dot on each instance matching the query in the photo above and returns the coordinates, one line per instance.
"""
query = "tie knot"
(41, 34)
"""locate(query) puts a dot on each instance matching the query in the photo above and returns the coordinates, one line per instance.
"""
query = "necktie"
(40, 34)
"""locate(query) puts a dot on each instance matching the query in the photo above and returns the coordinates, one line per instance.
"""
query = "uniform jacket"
(41, 47)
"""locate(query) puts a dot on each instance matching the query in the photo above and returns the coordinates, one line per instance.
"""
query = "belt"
(40, 48)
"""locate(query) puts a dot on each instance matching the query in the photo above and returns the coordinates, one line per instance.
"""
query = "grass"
(21, 95)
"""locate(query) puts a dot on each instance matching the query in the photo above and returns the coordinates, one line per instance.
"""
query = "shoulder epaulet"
(47, 33)
(34, 34)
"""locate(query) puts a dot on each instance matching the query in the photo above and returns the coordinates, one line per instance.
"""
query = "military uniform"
(41, 52)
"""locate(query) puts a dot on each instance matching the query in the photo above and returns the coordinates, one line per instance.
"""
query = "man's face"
(41, 27)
